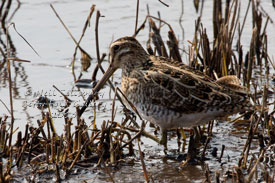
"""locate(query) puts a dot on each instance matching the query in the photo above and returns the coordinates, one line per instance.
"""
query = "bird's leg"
(197, 136)
(191, 147)
(192, 150)
(163, 140)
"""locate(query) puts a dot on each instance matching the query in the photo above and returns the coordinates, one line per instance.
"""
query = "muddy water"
(37, 23)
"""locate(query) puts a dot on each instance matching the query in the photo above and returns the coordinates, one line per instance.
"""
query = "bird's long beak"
(109, 72)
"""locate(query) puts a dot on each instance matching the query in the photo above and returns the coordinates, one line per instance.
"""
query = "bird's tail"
(240, 94)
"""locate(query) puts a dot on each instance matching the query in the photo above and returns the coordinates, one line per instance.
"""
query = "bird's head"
(125, 53)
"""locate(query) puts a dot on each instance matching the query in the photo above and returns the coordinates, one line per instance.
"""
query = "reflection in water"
(19, 76)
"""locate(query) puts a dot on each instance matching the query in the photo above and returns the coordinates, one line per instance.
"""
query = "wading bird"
(169, 93)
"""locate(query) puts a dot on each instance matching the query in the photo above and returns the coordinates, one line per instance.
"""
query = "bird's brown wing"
(181, 91)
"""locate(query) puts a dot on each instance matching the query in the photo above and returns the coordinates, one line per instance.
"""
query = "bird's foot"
(191, 158)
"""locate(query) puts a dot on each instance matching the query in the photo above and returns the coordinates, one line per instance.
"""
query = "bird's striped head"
(126, 52)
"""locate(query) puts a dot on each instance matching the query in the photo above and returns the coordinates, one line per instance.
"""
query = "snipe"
(171, 94)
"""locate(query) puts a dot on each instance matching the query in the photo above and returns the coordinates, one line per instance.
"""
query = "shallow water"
(37, 23)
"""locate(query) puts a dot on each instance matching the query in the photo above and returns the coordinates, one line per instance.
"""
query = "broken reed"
(220, 59)
(41, 146)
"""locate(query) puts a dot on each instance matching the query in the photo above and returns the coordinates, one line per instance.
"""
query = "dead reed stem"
(84, 54)
(68, 31)
(249, 179)
(64, 25)
(164, 3)
(143, 163)
(99, 60)
(207, 173)
(11, 104)
(137, 11)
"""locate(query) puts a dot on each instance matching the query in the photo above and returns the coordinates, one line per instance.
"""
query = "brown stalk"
(13, 24)
(124, 132)
(88, 57)
(34, 137)
(108, 171)
(59, 146)
(163, 3)
(178, 139)
(5, 15)
(143, 163)
(82, 148)
(15, 10)
(1, 7)
(250, 175)
(234, 21)
(65, 96)
(130, 103)
(173, 46)
(137, 11)
(244, 20)
(252, 131)
(78, 130)
(240, 51)
(2, 178)
(64, 158)
(140, 132)
(75, 141)
(217, 13)
(47, 153)
(22, 149)
(217, 177)
(87, 22)
(205, 146)
(140, 27)
(57, 172)
(96, 35)
(68, 136)
(180, 19)
(239, 175)
(113, 117)
(78, 155)
(162, 21)
(50, 119)
(67, 29)
(48, 127)
(53, 153)
(157, 40)
(85, 57)
(227, 11)
(222, 151)
(205, 48)
(159, 21)
(199, 18)
(251, 58)
(111, 149)
(3, 134)
(207, 173)
(11, 103)
(97, 66)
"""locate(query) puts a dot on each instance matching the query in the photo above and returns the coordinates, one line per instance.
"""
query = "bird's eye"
(116, 47)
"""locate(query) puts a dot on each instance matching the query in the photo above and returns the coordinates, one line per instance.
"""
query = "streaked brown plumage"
(171, 94)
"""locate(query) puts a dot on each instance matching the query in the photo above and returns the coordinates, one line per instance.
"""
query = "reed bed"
(83, 144)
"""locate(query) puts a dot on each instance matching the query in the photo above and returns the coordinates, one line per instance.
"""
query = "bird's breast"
(131, 89)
